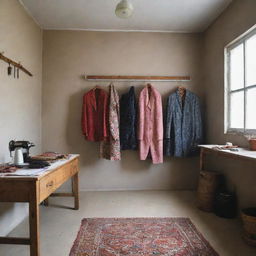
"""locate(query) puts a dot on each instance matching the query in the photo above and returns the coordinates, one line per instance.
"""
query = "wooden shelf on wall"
(138, 78)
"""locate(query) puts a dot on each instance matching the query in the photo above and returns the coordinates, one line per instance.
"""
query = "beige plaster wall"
(70, 54)
(237, 19)
(20, 106)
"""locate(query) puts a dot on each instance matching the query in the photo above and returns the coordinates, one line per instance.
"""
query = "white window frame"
(240, 40)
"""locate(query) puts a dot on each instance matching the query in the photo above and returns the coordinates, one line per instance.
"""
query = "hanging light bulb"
(124, 9)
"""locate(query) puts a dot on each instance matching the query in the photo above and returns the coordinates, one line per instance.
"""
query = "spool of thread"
(18, 156)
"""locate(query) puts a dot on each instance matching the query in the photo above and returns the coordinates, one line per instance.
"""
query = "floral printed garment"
(110, 149)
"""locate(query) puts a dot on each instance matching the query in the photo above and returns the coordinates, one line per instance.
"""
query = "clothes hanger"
(182, 92)
(96, 87)
(149, 87)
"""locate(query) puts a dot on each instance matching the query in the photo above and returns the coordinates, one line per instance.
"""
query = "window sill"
(241, 132)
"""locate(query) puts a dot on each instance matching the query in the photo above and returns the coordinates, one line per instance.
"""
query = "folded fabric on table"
(5, 168)
(226, 147)
(49, 156)
(35, 163)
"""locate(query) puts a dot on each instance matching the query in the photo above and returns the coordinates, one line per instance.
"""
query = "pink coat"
(150, 127)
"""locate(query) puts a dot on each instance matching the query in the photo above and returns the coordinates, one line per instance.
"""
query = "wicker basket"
(249, 225)
(207, 186)
(248, 240)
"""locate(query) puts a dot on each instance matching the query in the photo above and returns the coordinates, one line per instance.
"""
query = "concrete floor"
(59, 226)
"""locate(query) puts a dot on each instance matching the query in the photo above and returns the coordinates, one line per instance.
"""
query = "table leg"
(34, 226)
(75, 190)
(202, 159)
(46, 202)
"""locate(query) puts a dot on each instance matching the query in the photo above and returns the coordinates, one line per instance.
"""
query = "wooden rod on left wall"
(15, 64)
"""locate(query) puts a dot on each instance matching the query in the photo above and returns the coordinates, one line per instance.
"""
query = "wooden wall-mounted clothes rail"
(15, 64)
(138, 78)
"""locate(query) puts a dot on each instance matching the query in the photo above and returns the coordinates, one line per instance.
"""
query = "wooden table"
(242, 153)
(34, 190)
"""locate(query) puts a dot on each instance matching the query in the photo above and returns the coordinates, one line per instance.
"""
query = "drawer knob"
(50, 184)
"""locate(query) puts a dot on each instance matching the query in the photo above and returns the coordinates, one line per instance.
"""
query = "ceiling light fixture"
(124, 9)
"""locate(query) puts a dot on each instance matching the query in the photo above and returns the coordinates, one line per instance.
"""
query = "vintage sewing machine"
(23, 144)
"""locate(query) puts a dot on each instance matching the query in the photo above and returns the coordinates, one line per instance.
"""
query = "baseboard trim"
(135, 189)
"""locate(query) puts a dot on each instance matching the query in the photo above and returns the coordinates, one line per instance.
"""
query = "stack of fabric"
(5, 168)
(45, 159)
(49, 157)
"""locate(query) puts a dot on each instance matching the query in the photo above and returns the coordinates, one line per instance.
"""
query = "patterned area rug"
(140, 236)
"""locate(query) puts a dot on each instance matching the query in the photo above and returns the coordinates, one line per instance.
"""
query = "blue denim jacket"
(183, 125)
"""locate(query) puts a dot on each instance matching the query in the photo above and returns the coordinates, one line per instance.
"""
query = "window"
(240, 88)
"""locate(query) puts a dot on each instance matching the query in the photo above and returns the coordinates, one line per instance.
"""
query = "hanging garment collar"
(180, 100)
(150, 93)
(186, 99)
(95, 101)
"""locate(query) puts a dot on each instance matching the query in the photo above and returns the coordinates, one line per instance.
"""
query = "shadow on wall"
(240, 176)
(4, 209)
(75, 139)
(8, 216)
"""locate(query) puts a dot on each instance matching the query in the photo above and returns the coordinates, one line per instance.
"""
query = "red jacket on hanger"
(95, 115)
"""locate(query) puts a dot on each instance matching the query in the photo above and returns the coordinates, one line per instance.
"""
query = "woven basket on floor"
(207, 186)
(248, 240)
(249, 224)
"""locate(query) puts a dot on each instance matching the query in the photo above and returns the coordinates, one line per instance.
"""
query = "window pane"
(250, 109)
(251, 61)
(237, 110)
(237, 67)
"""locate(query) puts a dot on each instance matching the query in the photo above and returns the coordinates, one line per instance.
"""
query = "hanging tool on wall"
(9, 70)
(15, 64)
(18, 72)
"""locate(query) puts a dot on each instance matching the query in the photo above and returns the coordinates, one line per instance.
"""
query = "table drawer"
(67, 172)
(54, 180)
(47, 186)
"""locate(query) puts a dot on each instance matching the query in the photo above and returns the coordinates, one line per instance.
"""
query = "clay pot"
(252, 143)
